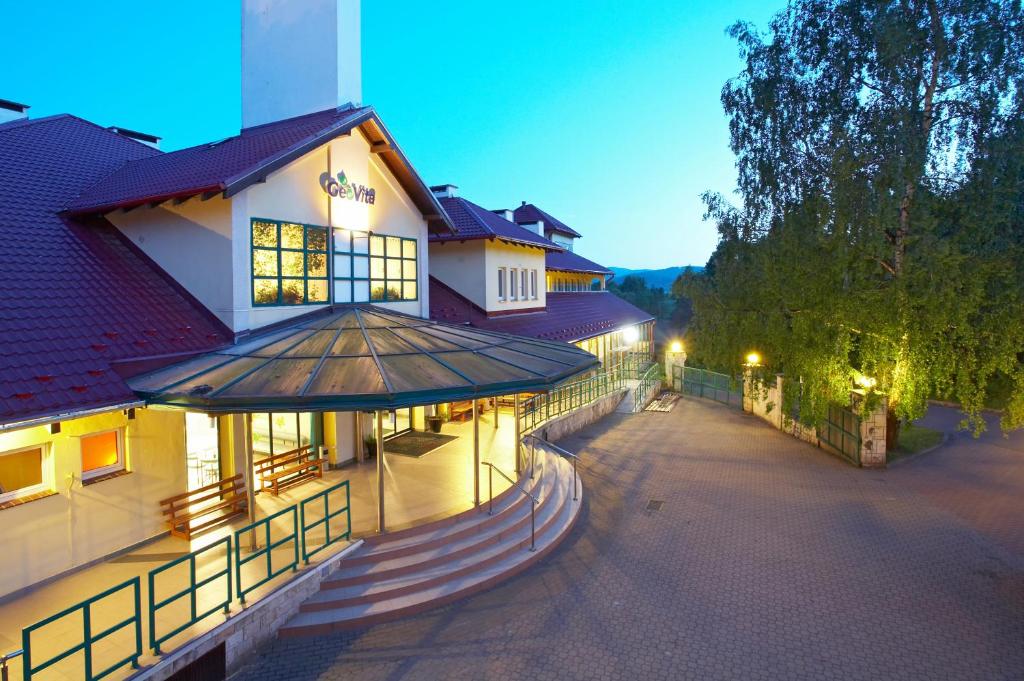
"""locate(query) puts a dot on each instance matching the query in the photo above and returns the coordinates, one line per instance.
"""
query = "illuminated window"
(21, 473)
(393, 268)
(289, 263)
(501, 283)
(102, 453)
(280, 432)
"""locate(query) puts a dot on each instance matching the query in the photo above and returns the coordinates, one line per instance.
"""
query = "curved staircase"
(407, 572)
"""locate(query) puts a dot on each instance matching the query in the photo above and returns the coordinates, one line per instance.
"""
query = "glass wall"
(278, 433)
(202, 450)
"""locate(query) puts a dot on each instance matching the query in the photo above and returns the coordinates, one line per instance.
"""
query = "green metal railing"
(841, 431)
(325, 519)
(267, 550)
(543, 407)
(191, 591)
(89, 638)
(710, 384)
(649, 380)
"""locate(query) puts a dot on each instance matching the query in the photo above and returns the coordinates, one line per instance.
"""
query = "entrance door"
(398, 422)
(202, 450)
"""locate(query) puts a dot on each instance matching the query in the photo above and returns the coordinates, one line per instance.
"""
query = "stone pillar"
(748, 390)
(672, 360)
(872, 432)
(779, 378)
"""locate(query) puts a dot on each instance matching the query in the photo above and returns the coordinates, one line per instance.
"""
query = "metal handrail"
(3, 662)
(490, 503)
(561, 452)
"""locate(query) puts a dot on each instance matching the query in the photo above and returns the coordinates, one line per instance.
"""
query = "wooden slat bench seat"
(280, 470)
(206, 507)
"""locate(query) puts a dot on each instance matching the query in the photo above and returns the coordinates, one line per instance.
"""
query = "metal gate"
(710, 384)
(841, 432)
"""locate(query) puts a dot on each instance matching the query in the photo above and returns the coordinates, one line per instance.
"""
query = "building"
(184, 331)
(534, 283)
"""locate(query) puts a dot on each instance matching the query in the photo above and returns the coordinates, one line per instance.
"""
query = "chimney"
(505, 213)
(147, 139)
(445, 191)
(299, 57)
(12, 111)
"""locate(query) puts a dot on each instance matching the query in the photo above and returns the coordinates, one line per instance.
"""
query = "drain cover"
(655, 504)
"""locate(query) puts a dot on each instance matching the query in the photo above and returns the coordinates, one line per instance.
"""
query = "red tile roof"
(569, 317)
(77, 296)
(567, 261)
(472, 221)
(530, 213)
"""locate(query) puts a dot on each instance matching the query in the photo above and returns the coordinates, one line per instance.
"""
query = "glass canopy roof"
(362, 357)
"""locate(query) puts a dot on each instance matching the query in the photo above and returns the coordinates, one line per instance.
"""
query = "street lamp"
(753, 359)
(630, 334)
(676, 346)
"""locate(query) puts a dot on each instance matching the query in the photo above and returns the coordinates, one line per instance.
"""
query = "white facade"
(207, 246)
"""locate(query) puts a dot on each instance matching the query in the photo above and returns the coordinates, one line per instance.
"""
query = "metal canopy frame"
(530, 365)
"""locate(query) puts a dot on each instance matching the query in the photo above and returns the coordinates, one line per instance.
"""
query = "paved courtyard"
(769, 559)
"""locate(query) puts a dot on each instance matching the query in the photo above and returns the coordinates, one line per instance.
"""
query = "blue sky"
(604, 113)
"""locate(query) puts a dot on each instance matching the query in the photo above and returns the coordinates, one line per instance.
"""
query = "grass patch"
(914, 439)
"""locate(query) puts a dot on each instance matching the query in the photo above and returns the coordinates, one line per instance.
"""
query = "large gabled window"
(392, 268)
(289, 263)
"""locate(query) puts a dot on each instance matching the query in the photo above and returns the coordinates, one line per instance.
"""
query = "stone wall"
(246, 631)
(567, 424)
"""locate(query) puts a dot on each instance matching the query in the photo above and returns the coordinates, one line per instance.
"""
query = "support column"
(673, 360)
(495, 413)
(380, 471)
(242, 437)
(476, 453)
(515, 411)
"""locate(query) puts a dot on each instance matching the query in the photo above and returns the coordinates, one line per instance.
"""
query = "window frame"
(523, 289)
(45, 484)
(120, 465)
(533, 284)
(279, 277)
(352, 255)
(513, 280)
(402, 280)
(502, 284)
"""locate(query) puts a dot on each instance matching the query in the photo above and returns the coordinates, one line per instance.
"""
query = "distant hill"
(662, 278)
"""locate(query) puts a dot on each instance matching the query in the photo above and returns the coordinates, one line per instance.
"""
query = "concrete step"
(425, 576)
(438, 551)
(430, 583)
(440, 533)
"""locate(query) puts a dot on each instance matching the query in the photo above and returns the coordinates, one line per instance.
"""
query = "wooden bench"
(280, 470)
(461, 411)
(206, 507)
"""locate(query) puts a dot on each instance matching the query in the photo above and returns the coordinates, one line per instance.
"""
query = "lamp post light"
(753, 360)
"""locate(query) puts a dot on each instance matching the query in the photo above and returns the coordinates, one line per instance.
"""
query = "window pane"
(360, 267)
(261, 435)
(343, 291)
(408, 269)
(21, 470)
(343, 266)
(376, 268)
(317, 290)
(316, 264)
(394, 268)
(394, 245)
(291, 236)
(99, 451)
(376, 245)
(377, 290)
(286, 435)
(342, 240)
(291, 264)
(264, 291)
(264, 234)
(408, 248)
(305, 429)
(360, 242)
(264, 263)
(360, 291)
(316, 238)
(409, 290)
(394, 291)
(202, 450)
(292, 291)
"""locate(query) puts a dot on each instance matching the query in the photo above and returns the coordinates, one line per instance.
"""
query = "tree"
(878, 152)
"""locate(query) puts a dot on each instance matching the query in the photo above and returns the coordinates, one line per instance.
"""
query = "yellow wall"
(568, 281)
(79, 524)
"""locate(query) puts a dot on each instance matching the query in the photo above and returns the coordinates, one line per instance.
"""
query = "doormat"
(416, 443)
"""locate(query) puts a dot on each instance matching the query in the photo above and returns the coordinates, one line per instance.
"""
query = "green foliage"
(880, 150)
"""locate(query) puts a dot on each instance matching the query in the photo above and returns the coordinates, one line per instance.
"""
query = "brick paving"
(769, 560)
